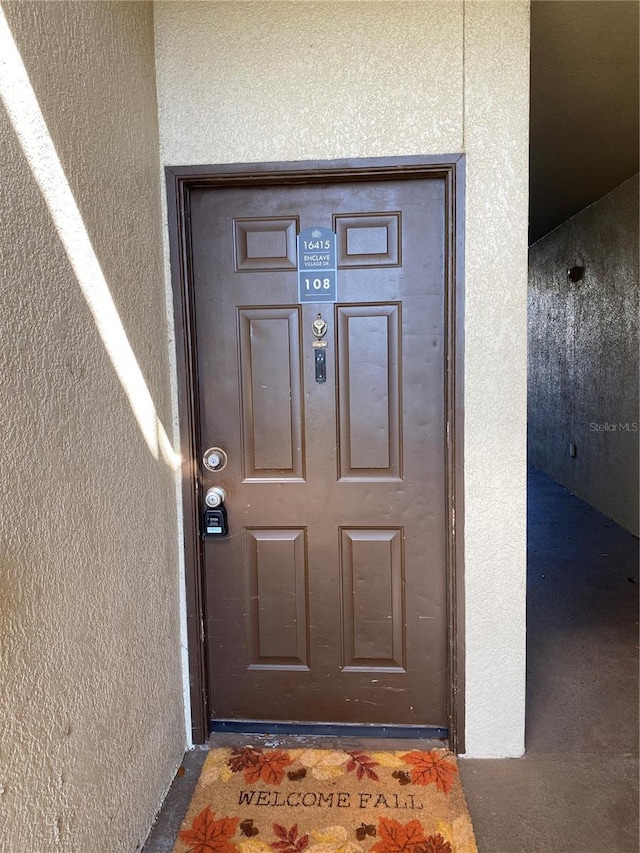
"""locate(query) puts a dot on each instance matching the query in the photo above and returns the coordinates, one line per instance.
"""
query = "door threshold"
(332, 730)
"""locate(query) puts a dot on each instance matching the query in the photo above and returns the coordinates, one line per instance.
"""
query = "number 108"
(317, 284)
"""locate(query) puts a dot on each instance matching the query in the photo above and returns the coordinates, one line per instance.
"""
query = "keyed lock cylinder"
(214, 459)
(215, 497)
(215, 516)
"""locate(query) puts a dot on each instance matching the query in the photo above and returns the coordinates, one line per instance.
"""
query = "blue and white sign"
(317, 265)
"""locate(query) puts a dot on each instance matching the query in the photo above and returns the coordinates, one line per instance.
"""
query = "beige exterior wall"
(583, 355)
(271, 81)
(91, 699)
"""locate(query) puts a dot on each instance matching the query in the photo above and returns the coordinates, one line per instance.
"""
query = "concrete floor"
(576, 790)
(577, 787)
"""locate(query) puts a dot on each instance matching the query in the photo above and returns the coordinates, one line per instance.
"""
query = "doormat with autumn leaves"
(252, 800)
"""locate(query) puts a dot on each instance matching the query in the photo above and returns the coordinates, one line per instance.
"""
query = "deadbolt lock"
(214, 459)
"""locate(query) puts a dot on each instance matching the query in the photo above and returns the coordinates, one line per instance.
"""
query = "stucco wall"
(583, 355)
(292, 81)
(91, 704)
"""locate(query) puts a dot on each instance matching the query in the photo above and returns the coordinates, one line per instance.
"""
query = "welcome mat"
(253, 800)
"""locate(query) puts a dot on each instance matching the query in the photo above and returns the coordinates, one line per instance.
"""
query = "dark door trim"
(180, 181)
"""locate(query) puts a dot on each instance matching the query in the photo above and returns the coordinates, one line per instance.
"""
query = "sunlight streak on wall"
(28, 122)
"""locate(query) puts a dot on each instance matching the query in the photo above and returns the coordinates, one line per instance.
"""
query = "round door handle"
(215, 497)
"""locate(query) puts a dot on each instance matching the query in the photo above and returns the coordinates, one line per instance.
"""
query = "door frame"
(180, 180)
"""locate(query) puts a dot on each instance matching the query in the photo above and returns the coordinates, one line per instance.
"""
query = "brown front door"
(327, 600)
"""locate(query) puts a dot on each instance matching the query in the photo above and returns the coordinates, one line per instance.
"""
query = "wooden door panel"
(327, 602)
(272, 419)
(277, 598)
(373, 603)
(368, 240)
(263, 245)
(369, 369)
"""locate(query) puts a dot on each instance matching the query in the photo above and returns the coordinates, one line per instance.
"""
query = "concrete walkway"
(576, 790)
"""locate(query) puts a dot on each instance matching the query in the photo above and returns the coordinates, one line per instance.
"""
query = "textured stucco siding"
(496, 141)
(583, 355)
(277, 81)
(91, 704)
(293, 81)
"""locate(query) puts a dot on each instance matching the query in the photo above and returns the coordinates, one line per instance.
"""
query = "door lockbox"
(215, 522)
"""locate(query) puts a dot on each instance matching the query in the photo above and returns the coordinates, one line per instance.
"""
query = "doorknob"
(215, 497)
(214, 459)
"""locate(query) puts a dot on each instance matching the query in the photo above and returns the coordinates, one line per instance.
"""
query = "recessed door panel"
(262, 245)
(369, 240)
(327, 600)
(369, 369)
(272, 419)
(373, 603)
(276, 602)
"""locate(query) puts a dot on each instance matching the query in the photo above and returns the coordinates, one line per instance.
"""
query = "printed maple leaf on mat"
(288, 839)
(396, 837)
(436, 844)
(363, 766)
(256, 765)
(324, 764)
(208, 835)
(334, 839)
(431, 767)
(243, 758)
